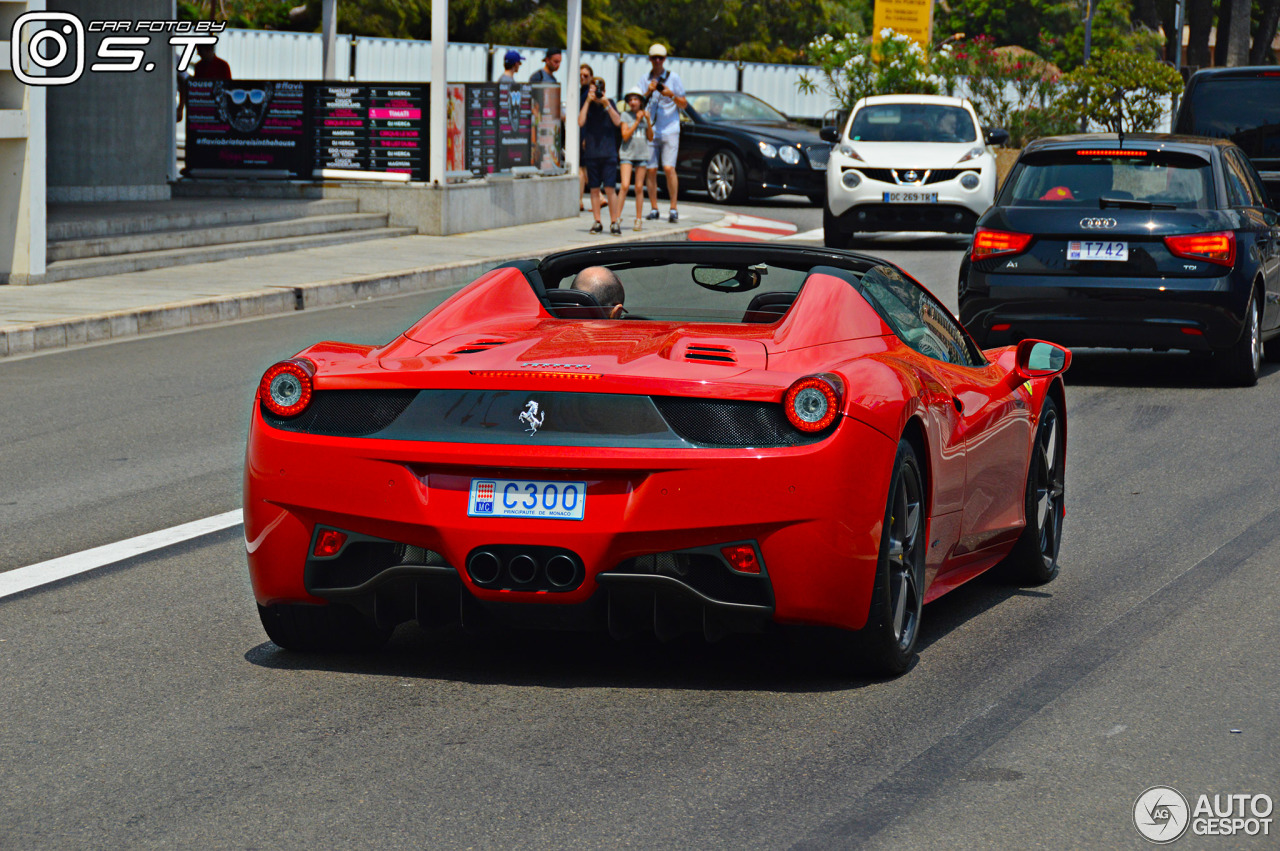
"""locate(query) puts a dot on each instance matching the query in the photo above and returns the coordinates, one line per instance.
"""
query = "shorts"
(639, 163)
(665, 147)
(601, 173)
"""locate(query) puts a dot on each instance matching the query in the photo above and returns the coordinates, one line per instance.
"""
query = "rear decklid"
(1105, 211)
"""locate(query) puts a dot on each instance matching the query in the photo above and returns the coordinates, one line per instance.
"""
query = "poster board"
(910, 17)
(248, 125)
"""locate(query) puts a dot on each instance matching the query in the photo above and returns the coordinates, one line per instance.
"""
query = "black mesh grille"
(732, 423)
(942, 175)
(881, 174)
(346, 413)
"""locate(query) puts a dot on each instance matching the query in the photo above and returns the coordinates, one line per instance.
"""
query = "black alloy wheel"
(1241, 363)
(886, 645)
(724, 178)
(321, 629)
(1034, 557)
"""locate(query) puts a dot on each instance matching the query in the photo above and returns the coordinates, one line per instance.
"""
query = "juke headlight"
(973, 154)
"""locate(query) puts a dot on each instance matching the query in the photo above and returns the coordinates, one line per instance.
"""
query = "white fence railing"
(271, 55)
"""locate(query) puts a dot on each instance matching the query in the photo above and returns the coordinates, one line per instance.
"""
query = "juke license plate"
(523, 498)
(911, 197)
(1084, 250)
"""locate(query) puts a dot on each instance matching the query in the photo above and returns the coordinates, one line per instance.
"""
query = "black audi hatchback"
(1140, 241)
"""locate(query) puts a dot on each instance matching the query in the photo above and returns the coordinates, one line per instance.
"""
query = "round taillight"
(286, 387)
(812, 403)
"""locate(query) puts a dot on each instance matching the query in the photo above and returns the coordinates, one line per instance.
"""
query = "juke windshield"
(912, 122)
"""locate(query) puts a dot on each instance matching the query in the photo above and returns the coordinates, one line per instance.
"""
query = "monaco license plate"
(522, 498)
(911, 197)
(1084, 250)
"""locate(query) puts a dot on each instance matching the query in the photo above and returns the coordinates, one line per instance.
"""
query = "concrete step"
(91, 267)
(76, 249)
(242, 188)
(92, 221)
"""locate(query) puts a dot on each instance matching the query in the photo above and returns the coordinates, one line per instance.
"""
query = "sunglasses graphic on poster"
(247, 125)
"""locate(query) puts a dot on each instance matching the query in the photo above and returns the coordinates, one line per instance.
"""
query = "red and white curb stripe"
(739, 228)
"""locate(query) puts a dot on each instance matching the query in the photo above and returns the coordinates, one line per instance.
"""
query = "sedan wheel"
(724, 177)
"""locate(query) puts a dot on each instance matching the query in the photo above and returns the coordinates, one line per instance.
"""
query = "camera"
(599, 89)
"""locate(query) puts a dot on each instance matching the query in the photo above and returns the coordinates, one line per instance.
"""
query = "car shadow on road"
(783, 661)
(870, 243)
(1115, 368)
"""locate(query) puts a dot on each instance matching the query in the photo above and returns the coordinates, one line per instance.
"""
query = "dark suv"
(1240, 104)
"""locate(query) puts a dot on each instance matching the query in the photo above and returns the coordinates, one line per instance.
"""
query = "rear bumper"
(1198, 314)
(817, 533)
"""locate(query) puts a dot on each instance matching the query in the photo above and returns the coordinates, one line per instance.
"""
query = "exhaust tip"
(522, 569)
(484, 567)
(562, 571)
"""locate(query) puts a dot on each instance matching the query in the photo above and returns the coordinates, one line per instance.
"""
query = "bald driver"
(602, 285)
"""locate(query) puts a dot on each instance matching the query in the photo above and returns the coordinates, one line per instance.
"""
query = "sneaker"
(654, 215)
(637, 224)
(616, 229)
(673, 217)
(596, 228)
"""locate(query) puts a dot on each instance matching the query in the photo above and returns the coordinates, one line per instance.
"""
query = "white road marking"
(815, 234)
(35, 575)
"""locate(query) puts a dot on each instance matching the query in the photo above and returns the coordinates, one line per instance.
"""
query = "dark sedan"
(734, 146)
(1141, 242)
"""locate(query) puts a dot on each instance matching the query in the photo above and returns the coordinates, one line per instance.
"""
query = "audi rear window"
(1067, 179)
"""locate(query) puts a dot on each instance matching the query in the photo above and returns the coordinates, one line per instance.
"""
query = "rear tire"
(1034, 558)
(1241, 363)
(886, 645)
(321, 629)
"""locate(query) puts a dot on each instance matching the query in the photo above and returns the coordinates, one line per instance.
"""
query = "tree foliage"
(1121, 91)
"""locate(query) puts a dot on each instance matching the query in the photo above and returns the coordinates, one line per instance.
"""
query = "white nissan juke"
(908, 163)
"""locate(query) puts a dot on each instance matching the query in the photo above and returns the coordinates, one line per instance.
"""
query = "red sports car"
(656, 437)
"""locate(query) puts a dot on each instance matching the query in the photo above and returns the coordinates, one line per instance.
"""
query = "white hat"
(635, 90)
(657, 50)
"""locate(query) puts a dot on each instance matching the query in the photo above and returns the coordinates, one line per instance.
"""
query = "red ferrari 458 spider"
(658, 437)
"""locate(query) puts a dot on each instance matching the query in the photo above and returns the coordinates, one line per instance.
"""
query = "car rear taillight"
(286, 387)
(329, 543)
(1215, 247)
(992, 243)
(742, 558)
(813, 403)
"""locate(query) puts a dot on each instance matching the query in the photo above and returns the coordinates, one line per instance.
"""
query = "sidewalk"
(71, 313)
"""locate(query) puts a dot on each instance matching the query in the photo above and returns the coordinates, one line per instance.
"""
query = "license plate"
(911, 197)
(522, 498)
(1084, 250)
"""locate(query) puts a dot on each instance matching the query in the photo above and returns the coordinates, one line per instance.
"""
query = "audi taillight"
(1214, 247)
(813, 402)
(988, 242)
(286, 387)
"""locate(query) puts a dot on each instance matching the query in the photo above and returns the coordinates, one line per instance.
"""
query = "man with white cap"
(665, 98)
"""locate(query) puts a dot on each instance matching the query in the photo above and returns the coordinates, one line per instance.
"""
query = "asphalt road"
(141, 706)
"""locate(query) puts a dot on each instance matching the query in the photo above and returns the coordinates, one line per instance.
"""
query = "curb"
(58, 334)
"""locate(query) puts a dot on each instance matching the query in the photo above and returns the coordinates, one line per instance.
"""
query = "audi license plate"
(911, 197)
(1084, 250)
(521, 498)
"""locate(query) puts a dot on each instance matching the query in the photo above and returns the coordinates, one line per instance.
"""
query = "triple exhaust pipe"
(525, 568)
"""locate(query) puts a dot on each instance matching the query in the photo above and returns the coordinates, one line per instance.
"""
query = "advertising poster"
(515, 125)
(455, 128)
(254, 125)
(341, 127)
(482, 128)
(398, 129)
(548, 127)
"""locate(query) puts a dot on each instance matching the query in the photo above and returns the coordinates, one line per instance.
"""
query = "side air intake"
(711, 354)
(477, 346)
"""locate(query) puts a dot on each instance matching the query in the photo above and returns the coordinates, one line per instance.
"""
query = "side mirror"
(830, 134)
(1038, 359)
(995, 136)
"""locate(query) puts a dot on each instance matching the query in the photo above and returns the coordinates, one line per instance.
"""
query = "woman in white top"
(637, 133)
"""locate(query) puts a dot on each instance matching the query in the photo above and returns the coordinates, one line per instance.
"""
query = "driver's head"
(603, 286)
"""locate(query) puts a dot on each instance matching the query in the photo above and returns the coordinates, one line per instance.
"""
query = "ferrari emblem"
(532, 418)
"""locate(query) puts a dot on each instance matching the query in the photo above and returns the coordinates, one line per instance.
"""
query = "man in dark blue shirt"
(599, 121)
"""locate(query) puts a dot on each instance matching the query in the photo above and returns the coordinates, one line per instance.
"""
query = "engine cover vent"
(711, 354)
